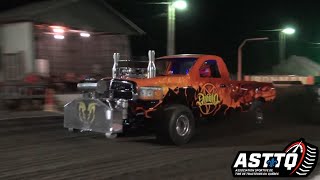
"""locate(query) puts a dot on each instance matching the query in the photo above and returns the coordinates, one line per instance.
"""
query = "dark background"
(219, 26)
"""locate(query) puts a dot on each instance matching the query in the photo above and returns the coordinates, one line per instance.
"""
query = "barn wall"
(79, 55)
(17, 38)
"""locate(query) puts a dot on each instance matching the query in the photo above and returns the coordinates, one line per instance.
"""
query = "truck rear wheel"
(256, 112)
(176, 124)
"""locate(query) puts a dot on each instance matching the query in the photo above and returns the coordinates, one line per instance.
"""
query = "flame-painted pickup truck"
(177, 91)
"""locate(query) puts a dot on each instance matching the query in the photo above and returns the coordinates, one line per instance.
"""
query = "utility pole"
(239, 74)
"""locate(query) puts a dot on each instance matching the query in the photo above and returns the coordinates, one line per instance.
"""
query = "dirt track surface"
(43, 149)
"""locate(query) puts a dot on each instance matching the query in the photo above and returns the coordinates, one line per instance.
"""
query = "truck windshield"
(174, 66)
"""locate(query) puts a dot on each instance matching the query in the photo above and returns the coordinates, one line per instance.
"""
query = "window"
(174, 66)
(210, 69)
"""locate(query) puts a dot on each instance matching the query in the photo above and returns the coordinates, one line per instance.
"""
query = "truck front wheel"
(175, 124)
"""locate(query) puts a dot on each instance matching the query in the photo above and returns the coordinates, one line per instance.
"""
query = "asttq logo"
(272, 162)
(87, 113)
(298, 159)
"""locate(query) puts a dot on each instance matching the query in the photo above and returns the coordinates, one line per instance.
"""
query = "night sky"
(219, 26)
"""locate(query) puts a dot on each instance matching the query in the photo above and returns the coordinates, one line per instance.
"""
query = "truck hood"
(171, 81)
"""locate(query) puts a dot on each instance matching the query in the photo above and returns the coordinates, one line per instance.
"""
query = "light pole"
(282, 42)
(172, 6)
(239, 74)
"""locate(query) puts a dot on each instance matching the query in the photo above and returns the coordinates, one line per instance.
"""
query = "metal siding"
(17, 38)
(78, 55)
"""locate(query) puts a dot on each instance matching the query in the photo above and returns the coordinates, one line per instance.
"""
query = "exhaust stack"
(151, 65)
(116, 58)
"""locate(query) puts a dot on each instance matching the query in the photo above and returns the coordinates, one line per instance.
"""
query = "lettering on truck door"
(210, 94)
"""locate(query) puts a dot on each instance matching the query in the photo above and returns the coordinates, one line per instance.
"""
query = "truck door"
(212, 89)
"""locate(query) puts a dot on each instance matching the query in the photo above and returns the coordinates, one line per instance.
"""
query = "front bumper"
(94, 115)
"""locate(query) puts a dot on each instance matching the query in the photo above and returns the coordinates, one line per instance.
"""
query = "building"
(61, 37)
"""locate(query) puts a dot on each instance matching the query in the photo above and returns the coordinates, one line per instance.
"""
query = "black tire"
(257, 113)
(246, 121)
(175, 124)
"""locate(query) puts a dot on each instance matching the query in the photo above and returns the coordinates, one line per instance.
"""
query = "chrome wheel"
(182, 125)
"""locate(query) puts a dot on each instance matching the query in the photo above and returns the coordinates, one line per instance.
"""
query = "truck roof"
(181, 56)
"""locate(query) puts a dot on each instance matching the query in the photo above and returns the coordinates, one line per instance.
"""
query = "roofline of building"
(63, 3)
(38, 11)
(133, 25)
